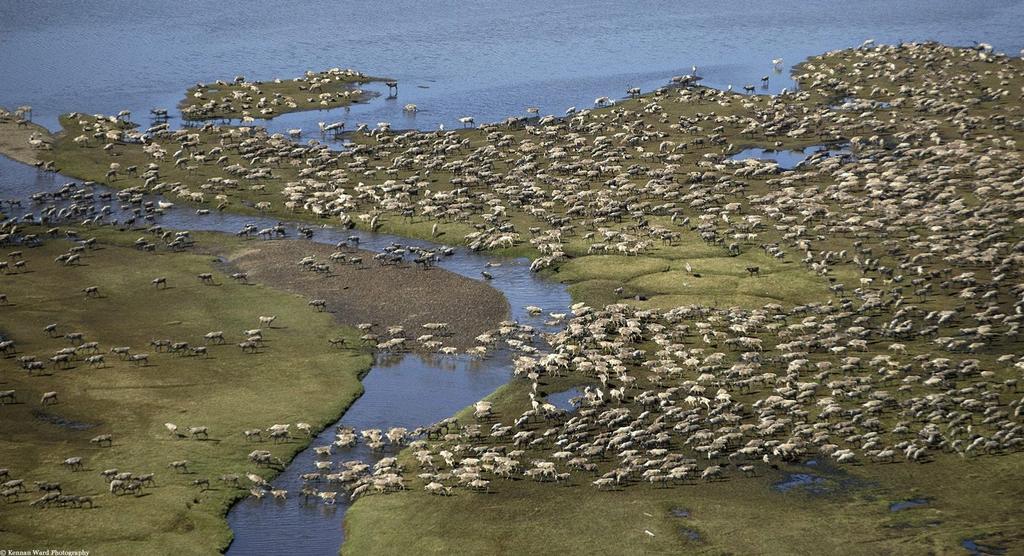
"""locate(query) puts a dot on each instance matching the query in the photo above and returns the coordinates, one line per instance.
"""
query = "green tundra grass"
(296, 377)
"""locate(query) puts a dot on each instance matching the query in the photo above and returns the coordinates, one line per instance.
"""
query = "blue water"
(561, 399)
(787, 159)
(484, 59)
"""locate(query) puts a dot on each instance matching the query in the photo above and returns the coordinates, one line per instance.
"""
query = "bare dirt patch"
(406, 295)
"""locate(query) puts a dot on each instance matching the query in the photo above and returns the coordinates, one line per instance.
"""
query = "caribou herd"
(916, 233)
(247, 100)
(911, 355)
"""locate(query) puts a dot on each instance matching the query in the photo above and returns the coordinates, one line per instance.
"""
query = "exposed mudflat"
(405, 295)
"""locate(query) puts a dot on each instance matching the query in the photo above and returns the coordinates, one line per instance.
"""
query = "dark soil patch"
(691, 535)
(59, 421)
(405, 295)
(908, 504)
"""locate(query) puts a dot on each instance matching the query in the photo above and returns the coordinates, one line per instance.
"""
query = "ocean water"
(484, 59)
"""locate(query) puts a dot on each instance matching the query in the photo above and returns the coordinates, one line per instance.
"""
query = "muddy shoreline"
(14, 140)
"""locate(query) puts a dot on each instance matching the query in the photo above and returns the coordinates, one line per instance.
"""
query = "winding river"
(410, 390)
